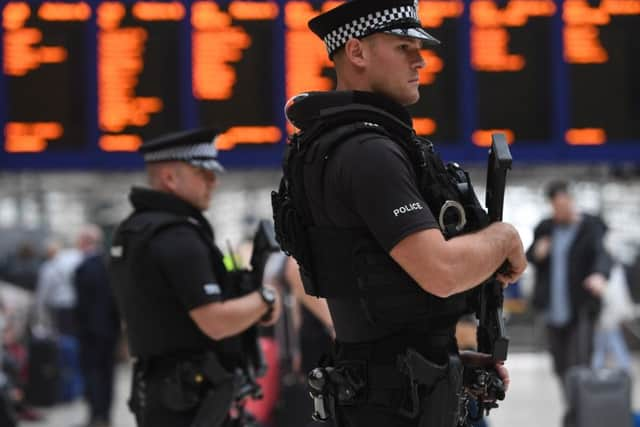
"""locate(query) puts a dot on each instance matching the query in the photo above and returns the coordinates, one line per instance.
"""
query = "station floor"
(534, 399)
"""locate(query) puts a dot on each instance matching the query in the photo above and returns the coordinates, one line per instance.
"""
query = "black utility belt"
(433, 345)
(400, 387)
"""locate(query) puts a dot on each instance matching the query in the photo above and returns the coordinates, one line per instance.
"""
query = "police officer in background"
(184, 319)
(394, 239)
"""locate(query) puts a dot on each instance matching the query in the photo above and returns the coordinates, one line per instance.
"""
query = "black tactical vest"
(134, 278)
(348, 263)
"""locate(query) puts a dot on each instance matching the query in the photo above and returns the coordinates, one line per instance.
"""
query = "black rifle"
(491, 332)
(264, 244)
(482, 384)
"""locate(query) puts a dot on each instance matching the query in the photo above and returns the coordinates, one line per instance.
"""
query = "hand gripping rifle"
(483, 384)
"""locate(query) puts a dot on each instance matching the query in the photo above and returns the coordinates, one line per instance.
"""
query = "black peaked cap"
(360, 18)
(194, 146)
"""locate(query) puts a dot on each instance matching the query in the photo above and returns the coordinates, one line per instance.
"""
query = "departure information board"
(45, 77)
(83, 83)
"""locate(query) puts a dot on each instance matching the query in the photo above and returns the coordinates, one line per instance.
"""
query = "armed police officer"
(393, 238)
(184, 315)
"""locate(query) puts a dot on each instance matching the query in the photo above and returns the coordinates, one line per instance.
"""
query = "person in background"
(9, 394)
(571, 269)
(21, 267)
(98, 326)
(316, 331)
(55, 296)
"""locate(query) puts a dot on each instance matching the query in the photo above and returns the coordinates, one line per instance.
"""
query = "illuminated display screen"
(45, 69)
(83, 83)
(138, 57)
(602, 49)
(510, 57)
(233, 67)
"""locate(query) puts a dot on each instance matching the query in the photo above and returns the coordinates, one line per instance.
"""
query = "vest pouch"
(181, 390)
(290, 230)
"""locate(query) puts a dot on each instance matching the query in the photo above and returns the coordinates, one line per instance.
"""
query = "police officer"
(393, 238)
(184, 318)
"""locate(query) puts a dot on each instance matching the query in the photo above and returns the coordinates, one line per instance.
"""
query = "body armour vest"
(136, 280)
(345, 263)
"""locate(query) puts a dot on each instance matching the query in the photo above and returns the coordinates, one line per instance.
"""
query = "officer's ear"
(354, 52)
(169, 176)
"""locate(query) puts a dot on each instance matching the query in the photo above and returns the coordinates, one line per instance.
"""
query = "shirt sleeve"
(382, 187)
(185, 261)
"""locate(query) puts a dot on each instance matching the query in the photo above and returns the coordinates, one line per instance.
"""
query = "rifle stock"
(491, 332)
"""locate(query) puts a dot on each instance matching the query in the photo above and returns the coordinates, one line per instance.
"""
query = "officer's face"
(393, 66)
(195, 185)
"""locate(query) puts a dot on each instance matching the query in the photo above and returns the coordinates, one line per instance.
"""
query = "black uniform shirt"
(178, 271)
(371, 184)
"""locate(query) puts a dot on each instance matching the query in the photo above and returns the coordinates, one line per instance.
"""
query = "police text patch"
(407, 208)
(212, 289)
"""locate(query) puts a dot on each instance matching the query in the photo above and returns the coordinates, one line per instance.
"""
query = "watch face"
(269, 295)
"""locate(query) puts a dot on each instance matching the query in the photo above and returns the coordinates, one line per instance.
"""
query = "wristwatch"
(268, 295)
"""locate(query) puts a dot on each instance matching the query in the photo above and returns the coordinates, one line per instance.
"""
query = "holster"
(441, 403)
(432, 391)
(200, 384)
(216, 403)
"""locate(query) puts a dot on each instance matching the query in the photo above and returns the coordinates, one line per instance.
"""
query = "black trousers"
(97, 361)
(155, 414)
(148, 399)
(371, 416)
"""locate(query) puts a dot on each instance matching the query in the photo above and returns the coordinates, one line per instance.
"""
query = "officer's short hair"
(556, 187)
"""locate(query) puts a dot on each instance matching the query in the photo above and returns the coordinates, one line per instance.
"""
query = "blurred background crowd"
(55, 298)
(82, 83)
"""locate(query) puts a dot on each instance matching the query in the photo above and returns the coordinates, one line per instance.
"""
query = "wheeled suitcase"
(598, 398)
(43, 384)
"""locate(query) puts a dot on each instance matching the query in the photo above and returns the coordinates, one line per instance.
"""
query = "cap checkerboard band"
(203, 151)
(367, 24)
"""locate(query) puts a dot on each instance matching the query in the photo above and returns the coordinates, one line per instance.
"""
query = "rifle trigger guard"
(462, 216)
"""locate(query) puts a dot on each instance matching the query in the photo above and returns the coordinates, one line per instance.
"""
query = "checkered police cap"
(195, 147)
(360, 18)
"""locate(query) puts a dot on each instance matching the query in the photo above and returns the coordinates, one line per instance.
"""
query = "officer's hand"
(503, 373)
(516, 261)
(277, 309)
(480, 360)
